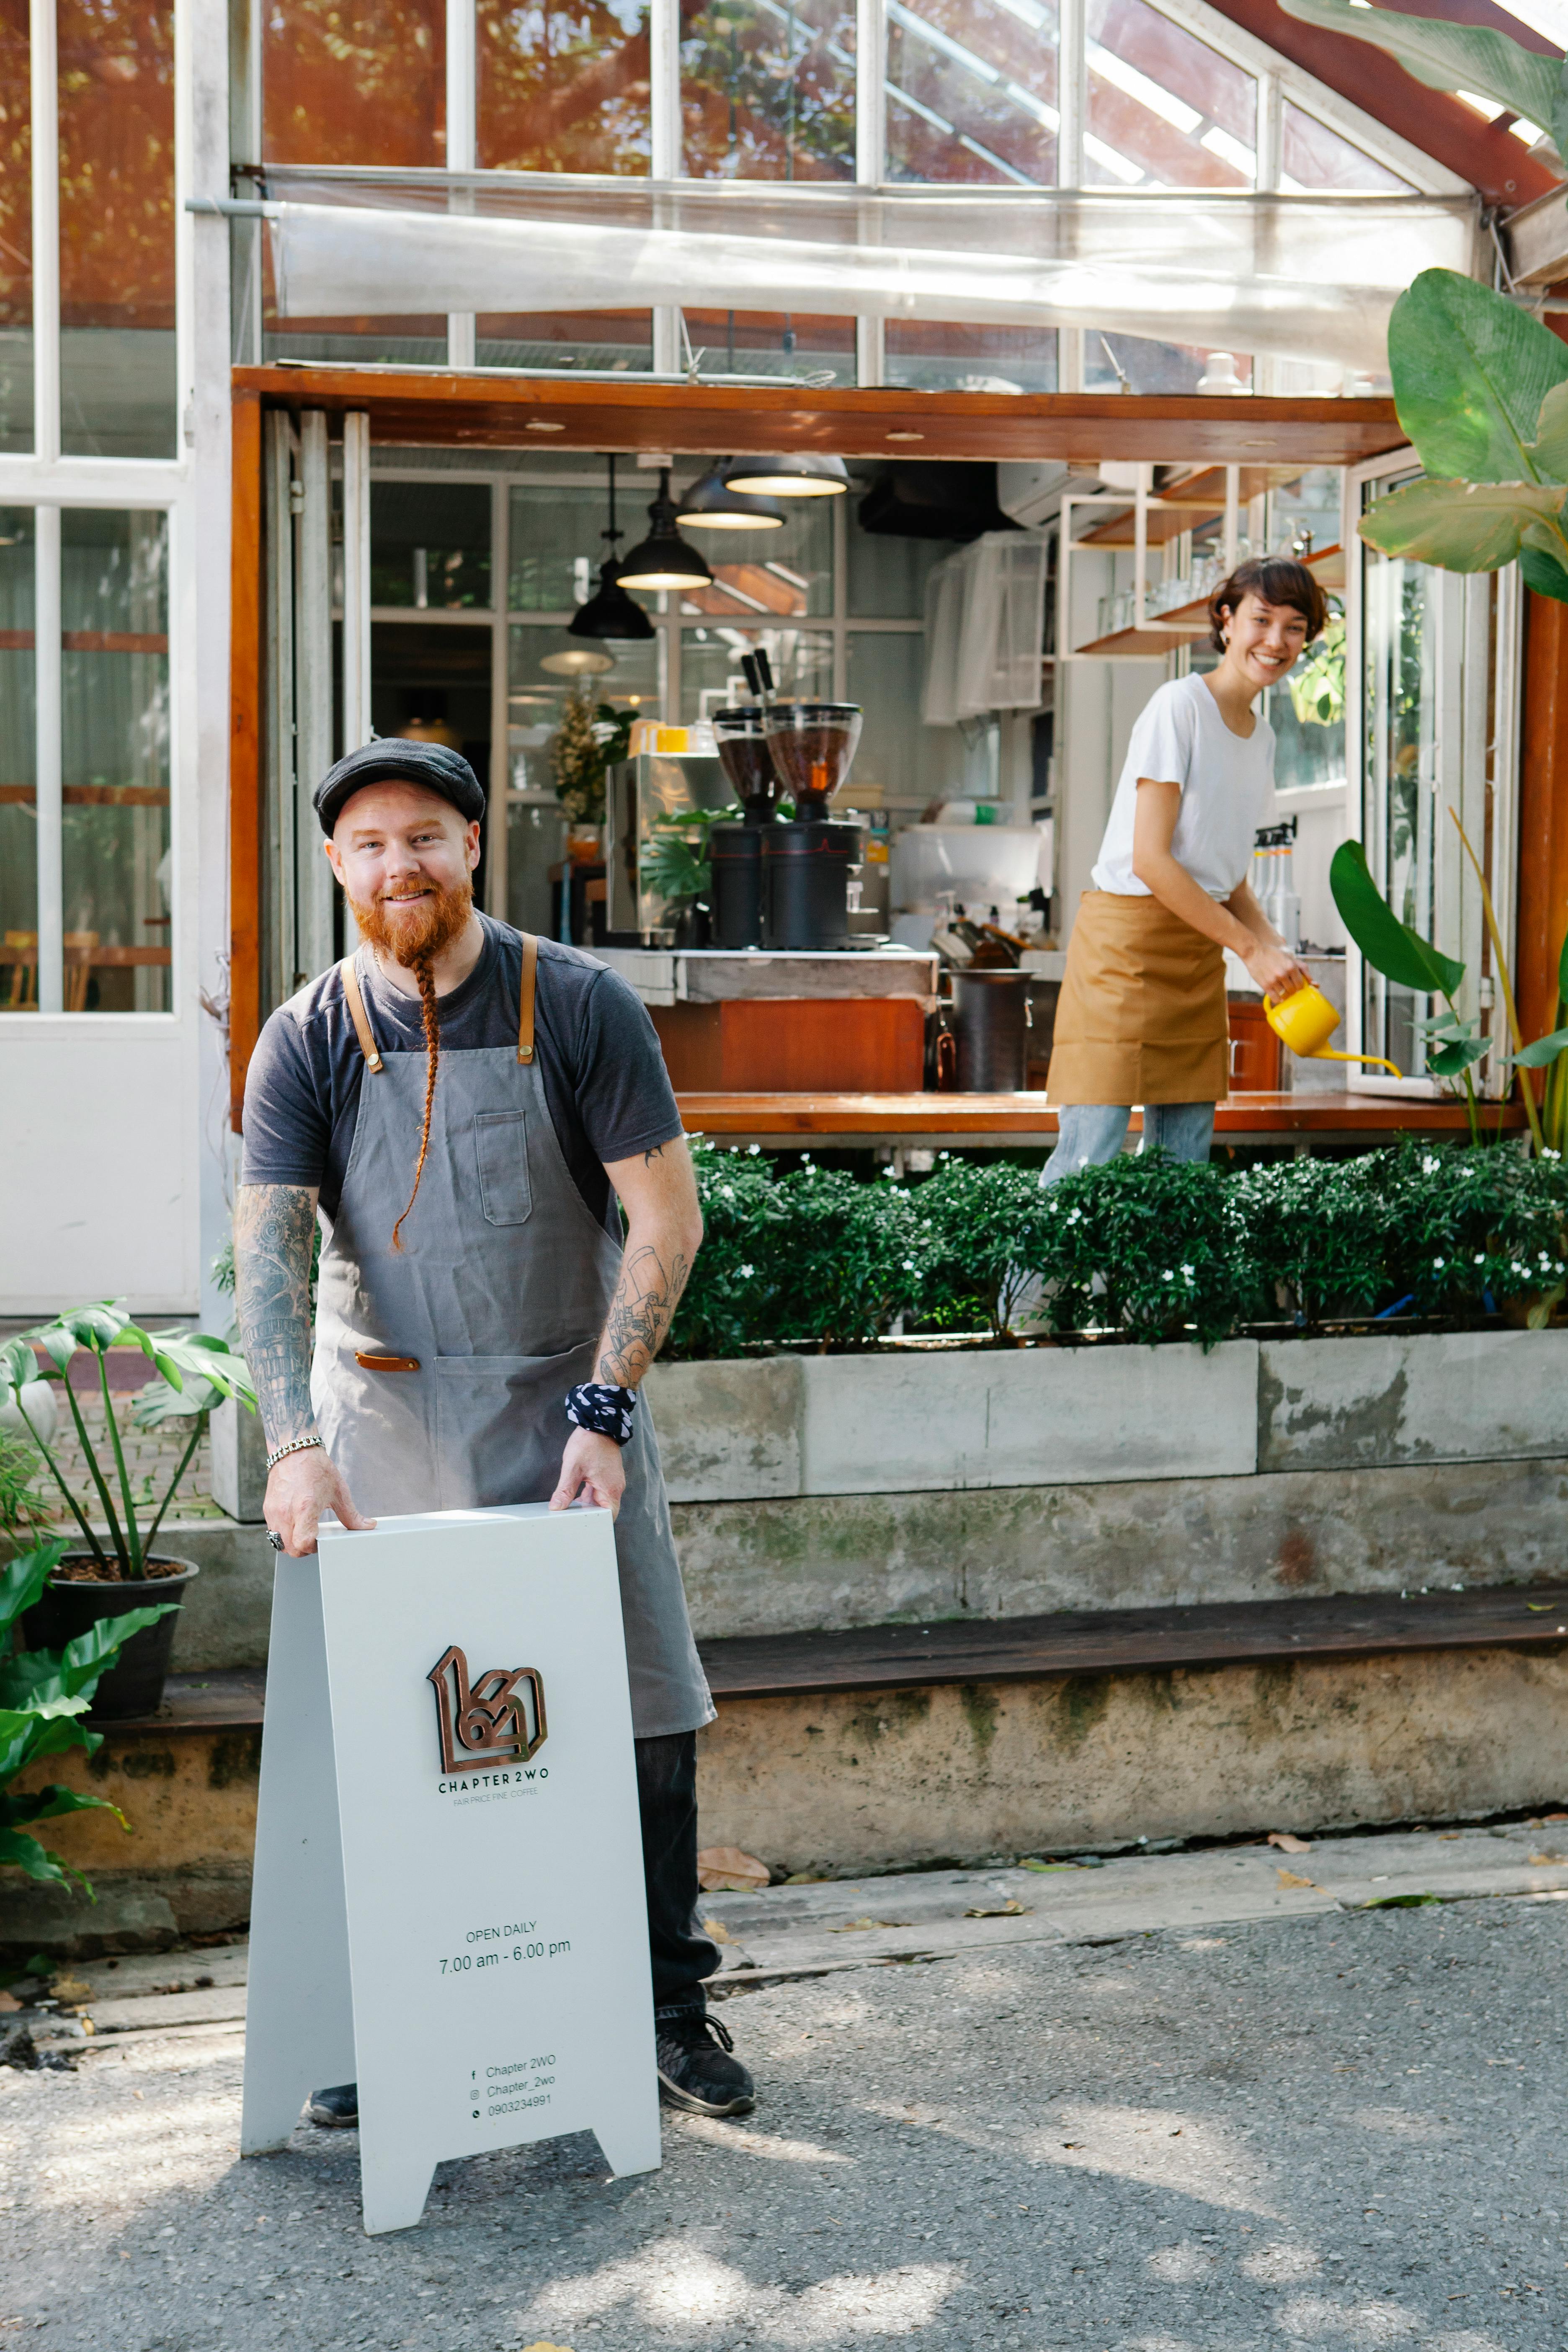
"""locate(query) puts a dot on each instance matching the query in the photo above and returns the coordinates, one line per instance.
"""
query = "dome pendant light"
(709, 505)
(610, 611)
(663, 560)
(801, 474)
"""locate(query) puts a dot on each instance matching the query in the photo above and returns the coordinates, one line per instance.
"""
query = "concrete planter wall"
(915, 1420)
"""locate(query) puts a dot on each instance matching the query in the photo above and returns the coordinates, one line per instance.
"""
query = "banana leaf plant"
(196, 1372)
(1454, 1042)
(44, 1694)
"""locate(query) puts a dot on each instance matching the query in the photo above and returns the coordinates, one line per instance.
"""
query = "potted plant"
(43, 1697)
(111, 1578)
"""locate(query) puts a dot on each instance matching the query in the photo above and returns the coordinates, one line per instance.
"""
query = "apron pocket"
(500, 1143)
(502, 1426)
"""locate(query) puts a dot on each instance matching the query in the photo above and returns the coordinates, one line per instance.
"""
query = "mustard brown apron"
(441, 1370)
(1141, 1017)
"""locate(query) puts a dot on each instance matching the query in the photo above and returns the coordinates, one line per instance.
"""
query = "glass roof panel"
(1164, 110)
(972, 91)
(1312, 157)
(767, 91)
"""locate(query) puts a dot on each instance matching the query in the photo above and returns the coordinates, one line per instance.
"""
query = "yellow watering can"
(1307, 1021)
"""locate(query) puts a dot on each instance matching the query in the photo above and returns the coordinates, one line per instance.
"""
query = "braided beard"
(414, 938)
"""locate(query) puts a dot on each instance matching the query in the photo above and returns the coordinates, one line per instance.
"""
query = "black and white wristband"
(595, 1405)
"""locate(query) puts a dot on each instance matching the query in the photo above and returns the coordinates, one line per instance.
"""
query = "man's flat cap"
(395, 759)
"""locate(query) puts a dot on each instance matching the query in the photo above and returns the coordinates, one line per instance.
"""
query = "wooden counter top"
(853, 1121)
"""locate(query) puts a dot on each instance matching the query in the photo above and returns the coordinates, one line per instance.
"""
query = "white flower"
(726, 1191)
(1075, 1216)
(1481, 1257)
(910, 1266)
(752, 1150)
(745, 1272)
(1438, 1264)
(1430, 1166)
(1167, 1276)
(1188, 1272)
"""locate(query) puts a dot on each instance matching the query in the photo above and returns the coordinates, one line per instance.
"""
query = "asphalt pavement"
(1090, 2119)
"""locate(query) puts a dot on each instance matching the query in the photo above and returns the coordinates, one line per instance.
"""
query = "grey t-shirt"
(598, 1057)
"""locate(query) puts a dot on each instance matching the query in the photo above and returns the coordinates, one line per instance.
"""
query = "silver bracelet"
(295, 1445)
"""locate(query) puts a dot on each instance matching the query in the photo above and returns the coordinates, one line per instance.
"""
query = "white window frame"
(1466, 660)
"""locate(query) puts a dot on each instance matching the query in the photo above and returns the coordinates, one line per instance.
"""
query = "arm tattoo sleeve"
(273, 1228)
(647, 1295)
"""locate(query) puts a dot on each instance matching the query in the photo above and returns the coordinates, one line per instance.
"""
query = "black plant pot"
(69, 1606)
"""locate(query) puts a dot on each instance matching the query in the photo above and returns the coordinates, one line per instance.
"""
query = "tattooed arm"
(274, 1228)
(663, 1231)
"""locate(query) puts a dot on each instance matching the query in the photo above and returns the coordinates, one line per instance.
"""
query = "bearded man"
(461, 1106)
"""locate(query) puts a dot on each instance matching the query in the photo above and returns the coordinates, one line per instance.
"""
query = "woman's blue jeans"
(1088, 1134)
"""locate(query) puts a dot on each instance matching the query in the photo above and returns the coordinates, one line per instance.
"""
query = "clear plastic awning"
(1309, 278)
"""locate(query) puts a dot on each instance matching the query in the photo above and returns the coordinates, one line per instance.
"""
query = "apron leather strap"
(354, 997)
(525, 1009)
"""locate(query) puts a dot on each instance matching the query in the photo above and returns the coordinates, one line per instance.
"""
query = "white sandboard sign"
(448, 1903)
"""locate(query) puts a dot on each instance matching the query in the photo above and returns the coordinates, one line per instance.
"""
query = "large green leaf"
(18, 1365)
(23, 1578)
(1544, 1050)
(26, 1853)
(1461, 526)
(1470, 372)
(1551, 446)
(1543, 574)
(48, 1804)
(1390, 946)
(1445, 56)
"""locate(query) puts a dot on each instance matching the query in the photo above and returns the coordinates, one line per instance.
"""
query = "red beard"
(416, 931)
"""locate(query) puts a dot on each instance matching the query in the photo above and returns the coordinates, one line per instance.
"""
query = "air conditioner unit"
(1033, 494)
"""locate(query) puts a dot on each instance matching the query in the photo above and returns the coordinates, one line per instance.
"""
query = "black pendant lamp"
(610, 611)
(800, 474)
(710, 505)
(664, 560)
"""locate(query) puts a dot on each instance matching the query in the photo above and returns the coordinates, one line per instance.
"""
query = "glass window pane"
(888, 572)
(935, 357)
(1311, 156)
(16, 231)
(557, 543)
(913, 763)
(1399, 706)
(536, 826)
(587, 339)
(118, 884)
(1137, 362)
(117, 229)
(1163, 108)
(430, 545)
(766, 92)
(972, 90)
(773, 342)
(563, 87)
(354, 81)
(19, 769)
(788, 571)
(711, 672)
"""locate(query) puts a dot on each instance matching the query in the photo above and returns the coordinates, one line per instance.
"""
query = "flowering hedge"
(1146, 1246)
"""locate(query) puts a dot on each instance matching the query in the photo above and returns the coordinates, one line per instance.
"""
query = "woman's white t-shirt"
(1228, 790)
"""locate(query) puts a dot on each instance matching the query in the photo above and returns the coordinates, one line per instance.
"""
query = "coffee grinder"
(735, 851)
(806, 862)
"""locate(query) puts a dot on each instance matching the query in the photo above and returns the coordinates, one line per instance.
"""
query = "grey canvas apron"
(441, 1370)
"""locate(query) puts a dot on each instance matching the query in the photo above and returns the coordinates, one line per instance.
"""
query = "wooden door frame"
(436, 409)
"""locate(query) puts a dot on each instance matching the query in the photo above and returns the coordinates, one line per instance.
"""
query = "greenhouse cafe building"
(320, 324)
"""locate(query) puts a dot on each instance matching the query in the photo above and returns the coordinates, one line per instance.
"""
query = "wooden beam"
(439, 406)
(244, 752)
(1543, 814)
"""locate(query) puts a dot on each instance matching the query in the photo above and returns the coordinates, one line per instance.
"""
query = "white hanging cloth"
(985, 611)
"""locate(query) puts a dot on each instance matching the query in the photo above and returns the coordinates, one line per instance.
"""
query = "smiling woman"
(1142, 1016)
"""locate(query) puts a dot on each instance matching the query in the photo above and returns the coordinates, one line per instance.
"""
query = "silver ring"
(275, 1539)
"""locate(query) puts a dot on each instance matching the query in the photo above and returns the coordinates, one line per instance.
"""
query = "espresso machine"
(785, 884)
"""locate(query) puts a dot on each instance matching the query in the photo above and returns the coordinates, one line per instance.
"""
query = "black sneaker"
(695, 2069)
(337, 2109)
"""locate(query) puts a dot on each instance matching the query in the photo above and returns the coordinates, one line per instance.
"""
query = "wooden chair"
(24, 993)
(80, 947)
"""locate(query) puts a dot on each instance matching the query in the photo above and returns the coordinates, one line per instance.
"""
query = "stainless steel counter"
(714, 975)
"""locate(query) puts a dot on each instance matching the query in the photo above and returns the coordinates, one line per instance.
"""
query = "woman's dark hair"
(1277, 580)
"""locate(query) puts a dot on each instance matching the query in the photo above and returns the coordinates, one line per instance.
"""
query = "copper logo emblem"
(486, 1721)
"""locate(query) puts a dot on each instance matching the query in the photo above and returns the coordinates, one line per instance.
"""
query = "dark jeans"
(667, 1798)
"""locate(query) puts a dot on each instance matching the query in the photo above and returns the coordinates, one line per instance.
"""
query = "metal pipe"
(48, 756)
